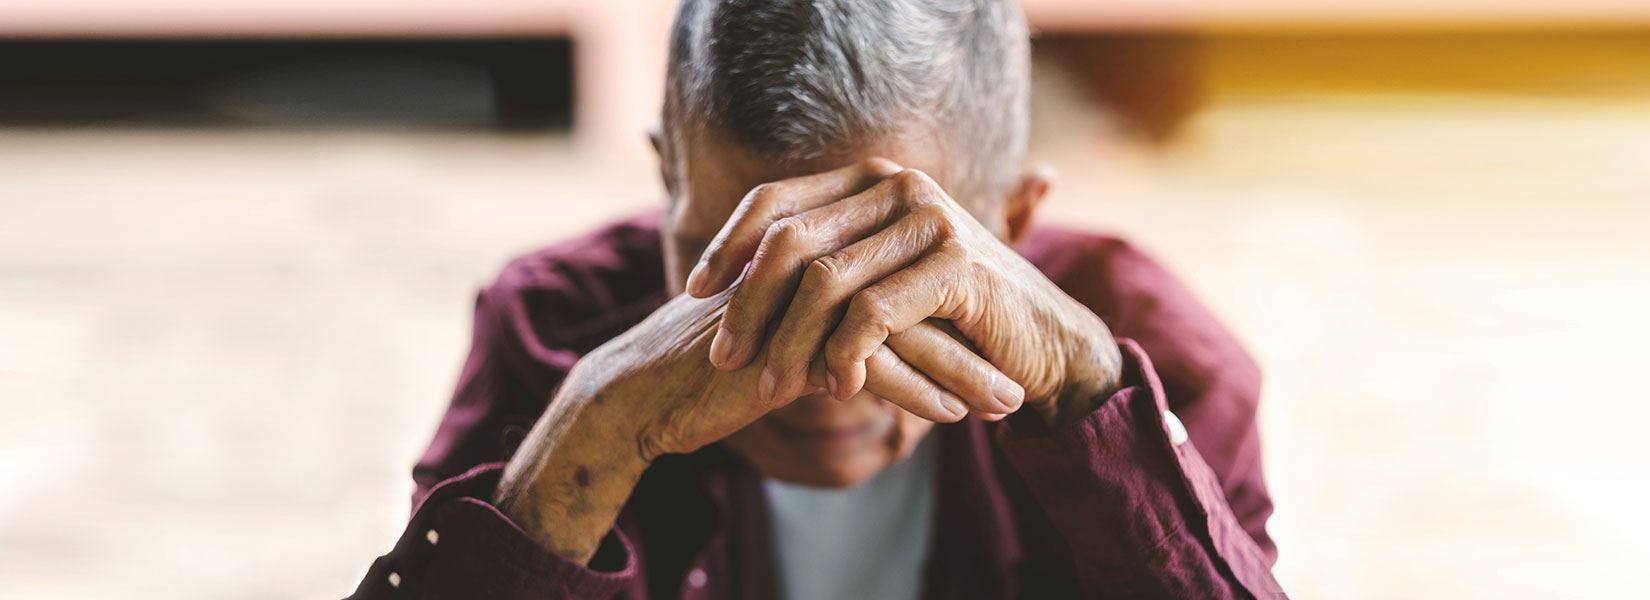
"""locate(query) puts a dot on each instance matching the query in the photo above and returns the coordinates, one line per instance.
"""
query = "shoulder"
(1139, 298)
(577, 293)
(1108, 273)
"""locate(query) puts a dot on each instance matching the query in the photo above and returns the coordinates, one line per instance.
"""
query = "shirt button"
(698, 578)
(1177, 430)
(395, 579)
(432, 536)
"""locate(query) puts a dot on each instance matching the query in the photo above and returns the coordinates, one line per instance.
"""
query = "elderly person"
(842, 363)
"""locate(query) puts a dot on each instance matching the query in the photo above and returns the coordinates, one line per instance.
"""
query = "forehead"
(716, 174)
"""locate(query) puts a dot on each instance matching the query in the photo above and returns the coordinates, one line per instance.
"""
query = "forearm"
(575, 470)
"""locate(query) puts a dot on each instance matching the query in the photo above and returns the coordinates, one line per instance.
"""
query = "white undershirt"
(868, 541)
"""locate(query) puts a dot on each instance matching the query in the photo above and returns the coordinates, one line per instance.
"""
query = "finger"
(817, 379)
(736, 243)
(894, 381)
(933, 287)
(828, 282)
(775, 270)
(771, 279)
(933, 349)
(773, 273)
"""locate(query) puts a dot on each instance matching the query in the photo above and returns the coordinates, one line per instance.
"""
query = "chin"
(828, 477)
(776, 459)
(788, 453)
(792, 465)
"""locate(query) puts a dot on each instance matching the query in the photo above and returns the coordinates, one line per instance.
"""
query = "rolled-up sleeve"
(458, 545)
(1143, 515)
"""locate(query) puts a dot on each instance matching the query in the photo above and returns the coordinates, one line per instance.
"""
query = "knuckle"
(763, 196)
(912, 184)
(919, 191)
(869, 310)
(823, 275)
(786, 233)
(785, 236)
(881, 167)
(938, 216)
(843, 346)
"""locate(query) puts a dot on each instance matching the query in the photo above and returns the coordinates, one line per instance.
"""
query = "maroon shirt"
(1108, 507)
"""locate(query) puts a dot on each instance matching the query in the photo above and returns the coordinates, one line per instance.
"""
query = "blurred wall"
(227, 331)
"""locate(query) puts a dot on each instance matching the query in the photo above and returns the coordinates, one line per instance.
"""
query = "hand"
(678, 403)
(841, 275)
(651, 391)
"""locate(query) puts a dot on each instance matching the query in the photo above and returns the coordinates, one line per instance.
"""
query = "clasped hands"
(871, 277)
(866, 278)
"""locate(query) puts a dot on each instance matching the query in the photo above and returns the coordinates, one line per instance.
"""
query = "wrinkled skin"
(890, 306)
(708, 179)
(678, 403)
(876, 264)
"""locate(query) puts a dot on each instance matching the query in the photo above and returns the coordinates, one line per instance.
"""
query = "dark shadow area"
(511, 84)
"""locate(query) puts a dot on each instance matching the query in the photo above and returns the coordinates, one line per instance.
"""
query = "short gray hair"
(791, 79)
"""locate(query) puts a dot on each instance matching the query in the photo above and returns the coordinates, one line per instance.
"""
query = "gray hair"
(792, 79)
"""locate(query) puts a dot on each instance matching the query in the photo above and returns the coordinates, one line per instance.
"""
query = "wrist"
(1093, 371)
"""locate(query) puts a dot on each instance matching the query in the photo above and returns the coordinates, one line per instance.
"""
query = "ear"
(656, 137)
(1024, 199)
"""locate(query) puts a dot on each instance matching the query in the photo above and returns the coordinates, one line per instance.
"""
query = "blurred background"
(239, 243)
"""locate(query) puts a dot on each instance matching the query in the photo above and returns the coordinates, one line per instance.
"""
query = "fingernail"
(696, 281)
(764, 388)
(955, 407)
(721, 347)
(1008, 393)
(830, 382)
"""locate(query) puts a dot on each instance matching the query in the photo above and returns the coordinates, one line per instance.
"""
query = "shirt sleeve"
(1209, 380)
(458, 545)
(1143, 516)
